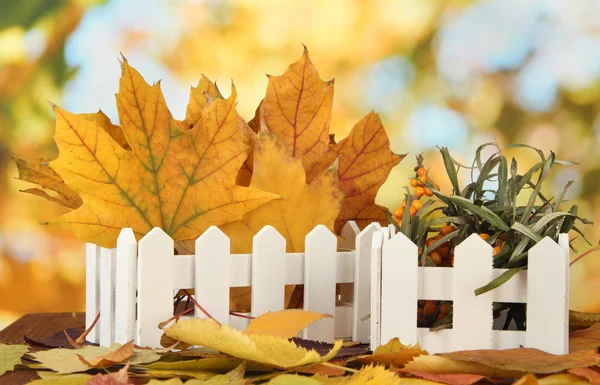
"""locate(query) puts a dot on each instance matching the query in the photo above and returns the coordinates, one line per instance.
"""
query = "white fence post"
(107, 296)
(320, 269)
(92, 290)
(548, 298)
(376, 288)
(399, 290)
(472, 318)
(212, 274)
(268, 271)
(126, 285)
(361, 330)
(155, 286)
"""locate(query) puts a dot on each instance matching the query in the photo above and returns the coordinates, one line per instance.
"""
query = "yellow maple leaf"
(284, 323)
(270, 350)
(297, 108)
(200, 96)
(179, 179)
(304, 205)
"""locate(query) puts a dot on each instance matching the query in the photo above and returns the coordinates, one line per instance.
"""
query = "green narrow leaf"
(450, 170)
(545, 170)
(569, 221)
(502, 278)
(481, 211)
(529, 233)
(502, 180)
(562, 195)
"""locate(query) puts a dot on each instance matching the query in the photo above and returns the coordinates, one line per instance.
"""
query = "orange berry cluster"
(431, 311)
(497, 245)
(442, 255)
(420, 189)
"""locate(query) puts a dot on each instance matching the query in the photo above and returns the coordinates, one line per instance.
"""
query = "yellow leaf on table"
(65, 361)
(393, 353)
(122, 354)
(10, 356)
(528, 379)
(373, 375)
(269, 350)
(294, 379)
(61, 379)
(562, 379)
(528, 359)
(284, 323)
(179, 179)
(441, 365)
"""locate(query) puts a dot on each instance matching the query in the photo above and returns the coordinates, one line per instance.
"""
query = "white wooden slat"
(92, 290)
(508, 339)
(241, 269)
(399, 290)
(343, 322)
(348, 234)
(155, 286)
(392, 230)
(548, 304)
(268, 262)
(436, 342)
(212, 269)
(376, 245)
(239, 323)
(320, 265)
(472, 319)
(107, 296)
(126, 277)
(361, 329)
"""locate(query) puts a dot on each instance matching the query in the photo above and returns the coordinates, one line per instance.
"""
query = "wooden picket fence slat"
(133, 287)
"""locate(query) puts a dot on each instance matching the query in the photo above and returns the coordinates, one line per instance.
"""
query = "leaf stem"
(241, 315)
(585, 254)
(82, 337)
(338, 367)
(200, 307)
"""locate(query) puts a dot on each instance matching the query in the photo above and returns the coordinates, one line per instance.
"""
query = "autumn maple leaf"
(297, 108)
(175, 177)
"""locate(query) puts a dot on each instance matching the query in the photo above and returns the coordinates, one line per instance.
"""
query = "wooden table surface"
(36, 326)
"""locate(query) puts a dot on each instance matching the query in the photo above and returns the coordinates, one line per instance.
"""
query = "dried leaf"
(528, 379)
(450, 379)
(294, 379)
(589, 374)
(442, 365)
(585, 339)
(117, 378)
(373, 375)
(365, 164)
(562, 379)
(120, 355)
(284, 323)
(178, 179)
(297, 108)
(50, 378)
(275, 351)
(235, 377)
(528, 360)
(57, 340)
(348, 349)
(393, 353)
(10, 356)
(39, 172)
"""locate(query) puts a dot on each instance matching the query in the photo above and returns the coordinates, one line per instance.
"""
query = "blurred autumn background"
(456, 73)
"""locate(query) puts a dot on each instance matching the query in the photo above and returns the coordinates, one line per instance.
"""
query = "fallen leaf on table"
(528, 359)
(120, 355)
(10, 356)
(294, 379)
(588, 373)
(348, 350)
(326, 370)
(69, 360)
(392, 353)
(442, 365)
(275, 351)
(176, 178)
(373, 375)
(528, 379)
(284, 323)
(57, 340)
(585, 339)
(450, 379)
(49, 378)
(117, 378)
(562, 379)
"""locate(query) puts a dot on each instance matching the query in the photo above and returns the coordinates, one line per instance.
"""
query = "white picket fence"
(133, 286)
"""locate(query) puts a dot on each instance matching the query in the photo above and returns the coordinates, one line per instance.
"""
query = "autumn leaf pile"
(213, 169)
(266, 353)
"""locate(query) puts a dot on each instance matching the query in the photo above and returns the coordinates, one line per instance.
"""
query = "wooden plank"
(361, 329)
(126, 287)
(268, 265)
(376, 245)
(472, 320)
(106, 323)
(548, 303)
(92, 289)
(319, 281)
(212, 268)
(155, 286)
(399, 290)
